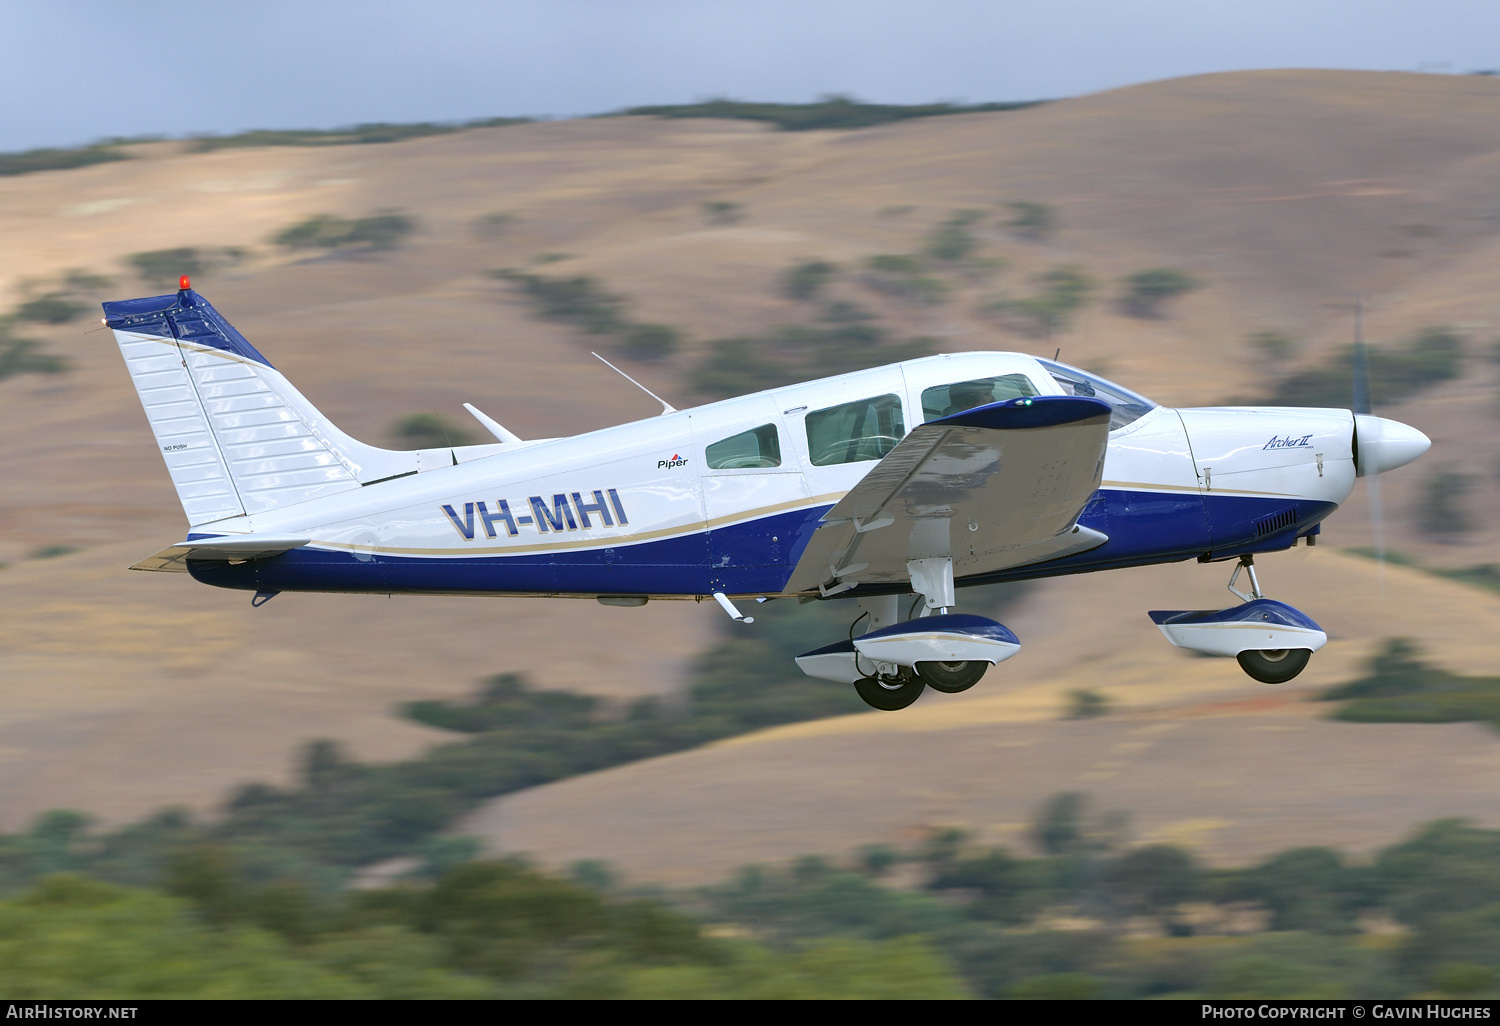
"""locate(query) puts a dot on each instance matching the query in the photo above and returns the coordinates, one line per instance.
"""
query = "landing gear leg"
(1246, 563)
(1271, 665)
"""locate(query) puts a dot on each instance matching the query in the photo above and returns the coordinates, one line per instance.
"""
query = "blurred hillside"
(1279, 196)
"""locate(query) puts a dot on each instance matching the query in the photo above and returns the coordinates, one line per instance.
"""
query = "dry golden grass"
(1286, 192)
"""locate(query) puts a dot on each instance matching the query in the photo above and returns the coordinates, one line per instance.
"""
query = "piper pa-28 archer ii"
(892, 487)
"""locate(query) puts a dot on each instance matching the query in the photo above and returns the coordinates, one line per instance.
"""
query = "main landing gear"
(1271, 640)
(951, 678)
(894, 661)
(891, 693)
(900, 686)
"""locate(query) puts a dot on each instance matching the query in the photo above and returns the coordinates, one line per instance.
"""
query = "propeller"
(1367, 432)
(1380, 444)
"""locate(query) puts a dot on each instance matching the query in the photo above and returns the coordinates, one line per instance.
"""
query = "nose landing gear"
(1271, 640)
(1274, 665)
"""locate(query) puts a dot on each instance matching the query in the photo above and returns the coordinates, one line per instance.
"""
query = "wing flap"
(173, 558)
(991, 488)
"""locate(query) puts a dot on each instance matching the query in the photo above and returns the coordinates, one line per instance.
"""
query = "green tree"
(838, 969)
(21, 356)
(1085, 704)
(1062, 291)
(1275, 346)
(1311, 889)
(1147, 292)
(381, 231)
(952, 241)
(429, 431)
(1440, 510)
(904, 276)
(1031, 221)
(52, 308)
(162, 267)
(806, 280)
(1152, 880)
(650, 341)
(76, 938)
(723, 212)
(1059, 824)
(493, 225)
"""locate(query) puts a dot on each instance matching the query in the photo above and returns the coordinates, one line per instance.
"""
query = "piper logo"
(675, 461)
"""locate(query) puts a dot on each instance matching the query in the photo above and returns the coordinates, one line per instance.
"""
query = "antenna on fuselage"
(666, 407)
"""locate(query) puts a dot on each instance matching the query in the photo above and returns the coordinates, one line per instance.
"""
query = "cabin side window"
(758, 447)
(946, 400)
(854, 432)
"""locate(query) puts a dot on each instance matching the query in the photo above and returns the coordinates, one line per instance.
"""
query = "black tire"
(1274, 666)
(951, 678)
(890, 695)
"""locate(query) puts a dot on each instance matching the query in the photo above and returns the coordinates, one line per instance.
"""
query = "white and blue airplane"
(892, 487)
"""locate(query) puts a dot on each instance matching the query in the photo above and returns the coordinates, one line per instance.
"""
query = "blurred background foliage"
(293, 892)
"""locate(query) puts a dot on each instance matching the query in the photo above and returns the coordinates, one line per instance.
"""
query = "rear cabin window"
(853, 432)
(758, 447)
(946, 400)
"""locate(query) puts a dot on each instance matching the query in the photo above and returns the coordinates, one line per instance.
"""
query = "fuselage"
(724, 497)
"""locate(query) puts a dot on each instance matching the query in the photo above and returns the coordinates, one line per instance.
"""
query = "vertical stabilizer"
(236, 436)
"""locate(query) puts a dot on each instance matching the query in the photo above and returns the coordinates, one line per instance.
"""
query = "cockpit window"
(758, 447)
(946, 400)
(1126, 407)
(863, 430)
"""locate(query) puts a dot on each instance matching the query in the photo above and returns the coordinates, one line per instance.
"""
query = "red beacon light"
(183, 283)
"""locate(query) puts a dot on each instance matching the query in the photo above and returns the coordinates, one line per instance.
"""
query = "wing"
(993, 487)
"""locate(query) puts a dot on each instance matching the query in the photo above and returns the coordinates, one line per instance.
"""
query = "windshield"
(1125, 406)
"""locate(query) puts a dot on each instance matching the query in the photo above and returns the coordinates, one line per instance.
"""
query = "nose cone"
(1386, 444)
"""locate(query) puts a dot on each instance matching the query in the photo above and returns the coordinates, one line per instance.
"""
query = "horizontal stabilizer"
(172, 559)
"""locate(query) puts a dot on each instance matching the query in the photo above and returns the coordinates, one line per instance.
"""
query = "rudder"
(236, 436)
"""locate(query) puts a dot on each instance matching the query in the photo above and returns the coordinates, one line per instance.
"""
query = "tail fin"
(236, 436)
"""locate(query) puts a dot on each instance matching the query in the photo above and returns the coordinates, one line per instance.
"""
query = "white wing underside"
(988, 498)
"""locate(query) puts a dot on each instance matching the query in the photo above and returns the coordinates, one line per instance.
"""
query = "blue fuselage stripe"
(758, 556)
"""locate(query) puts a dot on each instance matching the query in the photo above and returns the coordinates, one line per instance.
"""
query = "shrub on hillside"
(807, 279)
(723, 212)
(952, 241)
(1147, 292)
(1431, 356)
(1061, 293)
(429, 431)
(904, 276)
(22, 356)
(381, 231)
(580, 301)
(51, 308)
(1031, 221)
(161, 267)
(493, 225)
(1440, 510)
(649, 341)
(56, 159)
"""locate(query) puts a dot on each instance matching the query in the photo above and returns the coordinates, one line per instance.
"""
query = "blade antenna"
(666, 407)
(1363, 406)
